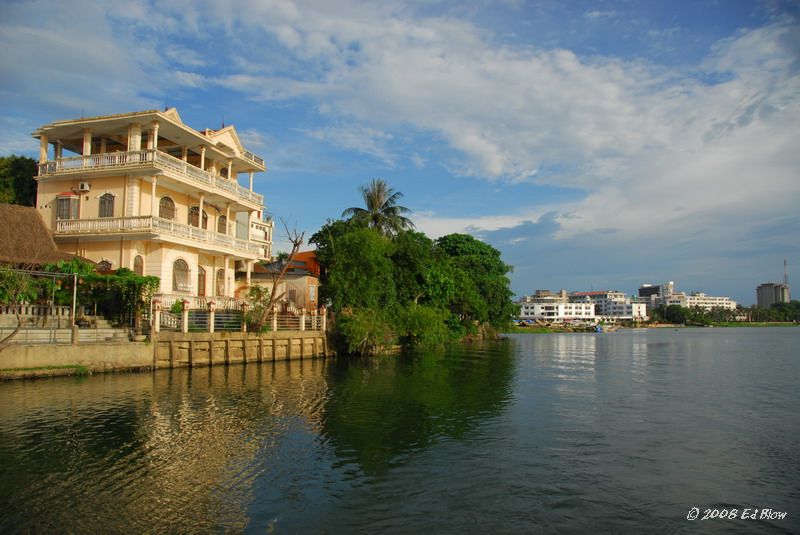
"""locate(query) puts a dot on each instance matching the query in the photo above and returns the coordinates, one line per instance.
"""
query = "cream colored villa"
(144, 191)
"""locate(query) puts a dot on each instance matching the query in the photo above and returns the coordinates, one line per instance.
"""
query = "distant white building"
(613, 305)
(555, 308)
(698, 300)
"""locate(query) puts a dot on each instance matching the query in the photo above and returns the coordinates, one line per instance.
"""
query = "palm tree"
(382, 212)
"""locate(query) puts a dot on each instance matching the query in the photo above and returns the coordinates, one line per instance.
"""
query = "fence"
(63, 336)
(233, 320)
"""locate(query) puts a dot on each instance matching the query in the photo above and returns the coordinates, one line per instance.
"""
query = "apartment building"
(555, 307)
(144, 191)
(613, 305)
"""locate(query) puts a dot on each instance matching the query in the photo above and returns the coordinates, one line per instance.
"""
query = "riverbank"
(552, 330)
(168, 350)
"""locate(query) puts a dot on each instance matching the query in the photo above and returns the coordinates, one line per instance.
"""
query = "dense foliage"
(122, 296)
(779, 312)
(404, 288)
(17, 185)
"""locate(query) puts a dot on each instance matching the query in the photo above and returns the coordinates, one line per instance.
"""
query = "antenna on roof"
(223, 122)
(166, 103)
(785, 273)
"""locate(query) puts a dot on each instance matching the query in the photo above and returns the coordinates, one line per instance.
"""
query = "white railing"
(138, 157)
(198, 301)
(156, 225)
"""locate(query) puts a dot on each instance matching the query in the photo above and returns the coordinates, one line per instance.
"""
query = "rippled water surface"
(619, 432)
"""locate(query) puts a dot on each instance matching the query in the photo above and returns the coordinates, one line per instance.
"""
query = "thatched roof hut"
(25, 240)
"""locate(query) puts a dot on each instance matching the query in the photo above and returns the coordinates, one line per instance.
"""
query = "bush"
(363, 332)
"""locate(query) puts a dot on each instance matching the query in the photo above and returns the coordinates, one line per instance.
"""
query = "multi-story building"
(555, 308)
(613, 305)
(145, 191)
(698, 300)
(770, 293)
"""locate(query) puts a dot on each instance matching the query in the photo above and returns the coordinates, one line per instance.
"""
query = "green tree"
(382, 211)
(483, 273)
(361, 275)
(17, 185)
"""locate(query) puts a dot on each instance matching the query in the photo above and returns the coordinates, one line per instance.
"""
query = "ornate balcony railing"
(151, 157)
(155, 225)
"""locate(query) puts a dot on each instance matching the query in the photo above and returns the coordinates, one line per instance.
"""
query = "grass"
(79, 369)
(754, 324)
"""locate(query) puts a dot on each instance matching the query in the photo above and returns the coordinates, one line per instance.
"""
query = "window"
(220, 282)
(107, 205)
(67, 207)
(180, 276)
(166, 208)
(201, 281)
(222, 224)
(138, 265)
(194, 213)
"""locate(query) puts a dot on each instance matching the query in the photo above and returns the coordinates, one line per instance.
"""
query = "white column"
(43, 148)
(227, 263)
(230, 169)
(153, 205)
(228, 219)
(184, 153)
(152, 142)
(251, 180)
(200, 215)
(249, 270)
(135, 137)
(202, 157)
(87, 141)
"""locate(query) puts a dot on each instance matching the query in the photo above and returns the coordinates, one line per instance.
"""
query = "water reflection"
(234, 448)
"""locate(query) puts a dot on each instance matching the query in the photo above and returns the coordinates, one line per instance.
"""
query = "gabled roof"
(25, 239)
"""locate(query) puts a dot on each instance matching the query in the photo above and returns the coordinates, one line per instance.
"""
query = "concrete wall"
(97, 357)
(210, 349)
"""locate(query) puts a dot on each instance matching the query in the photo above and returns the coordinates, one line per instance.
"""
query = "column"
(184, 153)
(43, 148)
(228, 219)
(155, 326)
(230, 169)
(251, 180)
(134, 137)
(153, 206)
(103, 144)
(249, 270)
(185, 317)
(152, 142)
(202, 157)
(59, 148)
(200, 206)
(225, 267)
(212, 307)
(87, 141)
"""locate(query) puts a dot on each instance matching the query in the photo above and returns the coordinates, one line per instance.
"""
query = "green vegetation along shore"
(388, 285)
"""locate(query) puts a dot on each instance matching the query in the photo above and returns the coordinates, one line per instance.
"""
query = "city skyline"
(595, 145)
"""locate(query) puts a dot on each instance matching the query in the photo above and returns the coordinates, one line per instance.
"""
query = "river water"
(620, 432)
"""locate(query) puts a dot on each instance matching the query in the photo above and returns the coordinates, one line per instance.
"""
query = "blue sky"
(596, 144)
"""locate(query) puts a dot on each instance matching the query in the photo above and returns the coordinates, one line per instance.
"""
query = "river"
(620, 432)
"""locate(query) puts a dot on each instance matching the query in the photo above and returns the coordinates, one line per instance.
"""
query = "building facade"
(551, 307)
(146, 192)
(613, 305)
(770, 293)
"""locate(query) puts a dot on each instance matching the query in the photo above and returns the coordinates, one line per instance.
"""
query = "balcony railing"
(151, 157)
(155, 225)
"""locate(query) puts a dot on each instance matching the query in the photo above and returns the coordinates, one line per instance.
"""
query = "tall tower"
(785, 273)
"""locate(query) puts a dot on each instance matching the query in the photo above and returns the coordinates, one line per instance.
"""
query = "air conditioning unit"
(84, 187)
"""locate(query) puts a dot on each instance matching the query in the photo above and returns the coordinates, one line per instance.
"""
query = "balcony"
(157, 226)
(148, 159)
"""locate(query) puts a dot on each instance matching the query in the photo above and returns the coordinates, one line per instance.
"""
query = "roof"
(25, 239)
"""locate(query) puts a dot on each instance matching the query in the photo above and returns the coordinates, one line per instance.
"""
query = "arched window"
(220, 282)
(222, 224)
(166, 208)
(201, 281)
(138, 265)
(194, 213)
(106, 205)
(180, 276)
